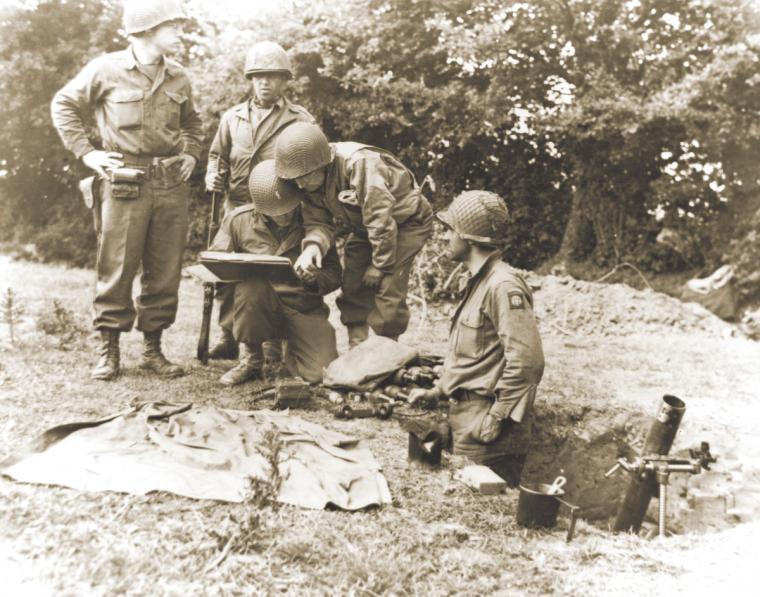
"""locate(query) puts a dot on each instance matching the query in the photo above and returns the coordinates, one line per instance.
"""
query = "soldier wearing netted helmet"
(150, 138)
(368, 196)
(265, 311)
(246, 136)
(494, 360)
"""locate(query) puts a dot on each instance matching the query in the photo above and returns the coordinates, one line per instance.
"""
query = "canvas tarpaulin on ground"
(203, 452)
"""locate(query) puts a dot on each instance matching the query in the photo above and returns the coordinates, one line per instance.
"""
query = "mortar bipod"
(662, 467)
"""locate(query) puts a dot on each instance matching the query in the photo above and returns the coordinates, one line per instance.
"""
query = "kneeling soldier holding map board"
(271, 306)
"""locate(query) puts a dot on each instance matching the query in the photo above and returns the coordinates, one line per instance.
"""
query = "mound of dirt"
(575, 306)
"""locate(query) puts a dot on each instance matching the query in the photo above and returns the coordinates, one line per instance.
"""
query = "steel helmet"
(272, 196)
(142, 15)
(267, 57)
(301, 148)
(479, 216)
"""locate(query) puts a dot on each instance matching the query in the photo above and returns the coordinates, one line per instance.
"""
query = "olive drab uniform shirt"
(244, 230)
(245, 137)
(367, 191)
(135, 114)
(494, 348)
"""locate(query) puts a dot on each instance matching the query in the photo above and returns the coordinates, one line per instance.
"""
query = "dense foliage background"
(602, 123)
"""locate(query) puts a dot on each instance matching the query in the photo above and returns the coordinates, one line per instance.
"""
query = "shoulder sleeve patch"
(516, 299)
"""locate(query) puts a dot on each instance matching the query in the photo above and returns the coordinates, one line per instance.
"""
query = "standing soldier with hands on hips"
(368, 195)
(495, 359)
(246, 136)
(151, 140)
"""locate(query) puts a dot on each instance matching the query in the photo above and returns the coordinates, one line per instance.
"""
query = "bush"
(68, 235)
(744, 255)
(435, 277)
(62, 323)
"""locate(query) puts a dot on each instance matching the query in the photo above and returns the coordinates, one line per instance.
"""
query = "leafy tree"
(601, 122)
(42, 45)
(612, 84)
(393, 84)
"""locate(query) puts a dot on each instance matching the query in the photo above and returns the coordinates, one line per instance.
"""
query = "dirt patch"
(582, 444)
(579, 307)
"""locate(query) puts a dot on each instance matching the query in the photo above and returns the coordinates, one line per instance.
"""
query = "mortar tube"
(643, 484)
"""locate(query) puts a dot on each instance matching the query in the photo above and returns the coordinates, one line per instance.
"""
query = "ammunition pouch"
(125, 190)
(125, 183)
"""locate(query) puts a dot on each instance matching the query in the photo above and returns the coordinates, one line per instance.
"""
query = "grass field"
(437, 538)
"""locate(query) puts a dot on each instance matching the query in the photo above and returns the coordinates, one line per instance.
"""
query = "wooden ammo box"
(291, 393)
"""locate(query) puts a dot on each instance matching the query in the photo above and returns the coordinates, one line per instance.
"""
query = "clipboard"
(234, 267)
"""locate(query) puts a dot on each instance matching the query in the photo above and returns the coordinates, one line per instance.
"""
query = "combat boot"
(357, 333)
(154, 360)
(226, 348)
(248, 368)
(108, 365)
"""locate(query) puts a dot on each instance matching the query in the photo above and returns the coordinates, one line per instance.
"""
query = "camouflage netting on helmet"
(272, 196)
(300, 149)
(480, 216)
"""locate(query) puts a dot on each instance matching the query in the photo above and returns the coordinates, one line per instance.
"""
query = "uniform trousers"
(384, 309)
(506, 455)
(261, 313)
(148, 231)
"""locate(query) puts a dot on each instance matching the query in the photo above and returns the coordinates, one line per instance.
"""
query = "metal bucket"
(538, 506)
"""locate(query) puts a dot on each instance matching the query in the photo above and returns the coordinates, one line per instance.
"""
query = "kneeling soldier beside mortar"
(366, 194)
(264, 310)
(143, 106)
(494, 361)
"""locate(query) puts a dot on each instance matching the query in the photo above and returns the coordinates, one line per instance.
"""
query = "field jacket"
(240, 143)
(134, 113)
(245, 230)
(494, 347)
(367, 191)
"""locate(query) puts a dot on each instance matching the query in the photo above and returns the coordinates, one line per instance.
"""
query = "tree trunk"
(578, 238)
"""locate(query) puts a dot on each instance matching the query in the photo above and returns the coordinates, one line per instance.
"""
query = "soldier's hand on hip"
(310, 258)
(187, 167)
(490, 428)
(372, 277)
(215, 182)
(100, 161)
